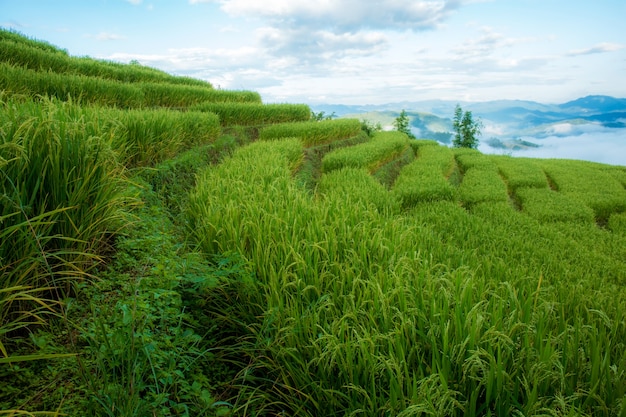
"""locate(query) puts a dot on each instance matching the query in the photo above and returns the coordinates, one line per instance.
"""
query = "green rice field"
(168, 249)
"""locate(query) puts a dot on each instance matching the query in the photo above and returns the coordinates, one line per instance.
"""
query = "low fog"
(602, 145)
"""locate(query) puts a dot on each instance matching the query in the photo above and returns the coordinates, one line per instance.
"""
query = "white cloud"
(106, 36)
(135, 2)
(345, 15)
(597, 49)
(315, 48)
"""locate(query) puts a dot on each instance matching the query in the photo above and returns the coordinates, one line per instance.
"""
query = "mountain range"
(508, 124)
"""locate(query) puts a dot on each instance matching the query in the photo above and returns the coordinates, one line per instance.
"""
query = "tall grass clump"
(547, 205)
(382, 148)
(105, 92)
(313, 133)
(358, 187)
(168, 95)
(617, 223)
(61, 198)
(589, 183)
(520, 172)
(147, 137)
(255, 114)
(20, 81)
(471, 158)
(20, 39)
(426, 178)
(482, 183)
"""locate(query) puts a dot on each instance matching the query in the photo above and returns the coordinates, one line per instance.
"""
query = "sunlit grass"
(440, 310)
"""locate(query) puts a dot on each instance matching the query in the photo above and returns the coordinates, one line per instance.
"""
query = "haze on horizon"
(351, 51)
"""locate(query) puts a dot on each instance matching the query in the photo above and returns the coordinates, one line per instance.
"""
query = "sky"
(352, 51)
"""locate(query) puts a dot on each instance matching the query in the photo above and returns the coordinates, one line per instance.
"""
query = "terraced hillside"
(171, 249)
(469, 285)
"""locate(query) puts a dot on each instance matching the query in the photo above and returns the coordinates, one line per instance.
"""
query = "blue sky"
(352, 51)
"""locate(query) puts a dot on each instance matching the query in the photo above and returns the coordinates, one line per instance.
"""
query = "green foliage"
(617, 223)
(20, 39)
(439, 309)
(328, 293)
(60, 204)
(482, 184)
(471, 158)
(426, 179)
(588, 183)
(401, 123)
(547, 205)
(147, 137)
(520, 172)
(105, 92)
(370, 128)
(466, 129)
(255, 114)
(182, 96)
(16, 49)
(382, 148)
(358, 186)
(24, 82)
(318, 117)
(313, 133)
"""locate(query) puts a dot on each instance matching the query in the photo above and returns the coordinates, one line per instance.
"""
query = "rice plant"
(61, 202)
(313, 133)
(16, 80)
(425, 179)
(482, 183)
(617, 223)
(353, 308)
(520, 172)
(146, 137)
(255, 114)
(589, 183)
(18, 50)
(547, 206)
(382, 148)
(25, 82)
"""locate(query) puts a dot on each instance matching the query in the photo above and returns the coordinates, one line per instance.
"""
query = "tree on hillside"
(318, 117)
(466, 129)
(402, 124)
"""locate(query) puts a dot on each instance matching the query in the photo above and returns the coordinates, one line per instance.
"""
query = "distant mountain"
(595, 104)
(506, 121)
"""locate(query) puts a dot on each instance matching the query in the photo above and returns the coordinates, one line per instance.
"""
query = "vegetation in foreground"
(162, 261)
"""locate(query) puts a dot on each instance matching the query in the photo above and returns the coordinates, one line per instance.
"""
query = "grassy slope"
(340, 298)
(465, 306)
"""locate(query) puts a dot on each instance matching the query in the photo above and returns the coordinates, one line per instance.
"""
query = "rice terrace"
(168, 248)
